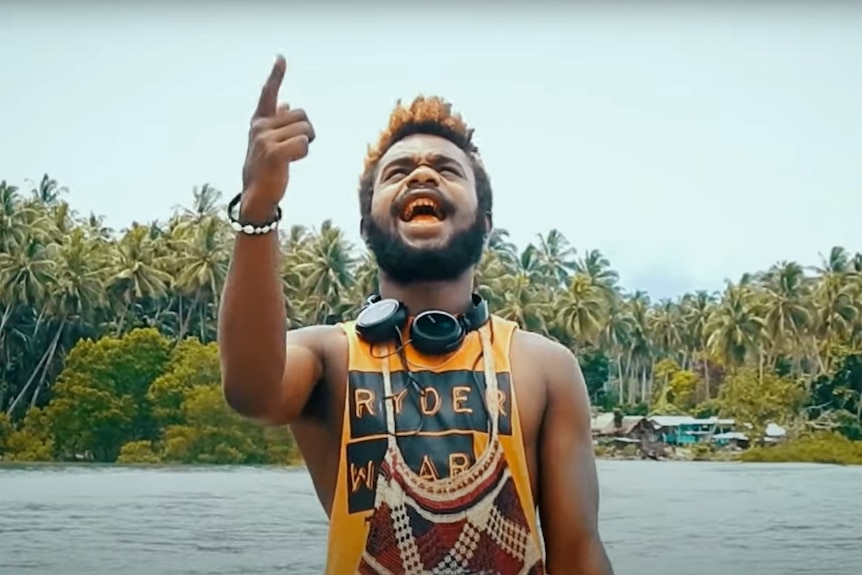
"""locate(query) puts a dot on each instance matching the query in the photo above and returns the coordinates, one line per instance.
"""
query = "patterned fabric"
(469, 524)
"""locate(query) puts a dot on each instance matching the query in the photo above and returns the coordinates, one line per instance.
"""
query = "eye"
(395, 173)
(449, 171)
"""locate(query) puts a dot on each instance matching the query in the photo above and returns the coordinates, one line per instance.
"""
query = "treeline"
(141, 398)
(66, 277)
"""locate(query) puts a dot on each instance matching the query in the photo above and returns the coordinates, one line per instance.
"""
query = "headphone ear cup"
(372, 299)
(381, 320)
(436, 333)
(478, 314)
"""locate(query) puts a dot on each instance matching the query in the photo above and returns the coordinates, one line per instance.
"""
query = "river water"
(657, 518)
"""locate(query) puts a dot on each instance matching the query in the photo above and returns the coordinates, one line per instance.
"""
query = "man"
(430, 443)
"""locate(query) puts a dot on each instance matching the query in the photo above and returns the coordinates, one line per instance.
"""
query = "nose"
(423, 177)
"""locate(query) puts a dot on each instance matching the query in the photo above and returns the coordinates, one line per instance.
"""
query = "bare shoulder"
(310, 352)
(317, 338)
(314, 351)
(557, 364)
(539, 343)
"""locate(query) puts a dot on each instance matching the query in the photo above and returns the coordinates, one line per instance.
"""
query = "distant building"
(677, 430)
(632, 427)
(686, 430)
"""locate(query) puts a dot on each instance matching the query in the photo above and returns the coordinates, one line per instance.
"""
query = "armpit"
(317, 406)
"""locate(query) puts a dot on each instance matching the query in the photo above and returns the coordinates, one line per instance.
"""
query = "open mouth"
(422, 210)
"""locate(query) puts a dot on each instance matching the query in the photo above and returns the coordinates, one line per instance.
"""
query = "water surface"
(657, 518)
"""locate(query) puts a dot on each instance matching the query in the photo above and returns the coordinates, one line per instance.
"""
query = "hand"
(277, 137)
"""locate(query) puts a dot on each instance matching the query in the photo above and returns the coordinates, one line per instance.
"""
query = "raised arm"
(569, 503)
(253, 343)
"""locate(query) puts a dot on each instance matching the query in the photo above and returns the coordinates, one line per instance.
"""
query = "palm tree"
(64, 277)
(785, 310)
(556, 257)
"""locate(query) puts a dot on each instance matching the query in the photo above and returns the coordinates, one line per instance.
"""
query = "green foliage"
(214, 434)
(32, 442)
(95, 327)
(601, 451)
(675, 389)
(755, 400)
(138, 452)
(595, 367)
(835, 399)
(683, 386)
(191, 365)
(636, 409)
(100, 400)
(6, 430)
(606, 400)
(702, 451)
(134, 400)
(822, 447)
(707, 409)
(629, 451)
(843, 422)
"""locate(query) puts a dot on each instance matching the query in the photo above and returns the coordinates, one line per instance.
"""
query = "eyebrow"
(435, 159)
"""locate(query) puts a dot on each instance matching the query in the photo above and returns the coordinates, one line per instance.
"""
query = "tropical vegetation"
(107, 337)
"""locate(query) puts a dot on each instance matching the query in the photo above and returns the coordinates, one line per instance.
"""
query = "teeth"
(411, 208)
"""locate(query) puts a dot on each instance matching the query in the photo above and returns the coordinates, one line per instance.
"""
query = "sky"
(689, 145)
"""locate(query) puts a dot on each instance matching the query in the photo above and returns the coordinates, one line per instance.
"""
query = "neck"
(452, 296)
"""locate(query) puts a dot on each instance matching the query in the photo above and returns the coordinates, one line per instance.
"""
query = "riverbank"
(825, 448)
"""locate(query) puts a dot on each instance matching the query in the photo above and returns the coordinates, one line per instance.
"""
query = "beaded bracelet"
(248, 228)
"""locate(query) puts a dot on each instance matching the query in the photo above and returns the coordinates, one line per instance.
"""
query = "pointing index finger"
(269, 93)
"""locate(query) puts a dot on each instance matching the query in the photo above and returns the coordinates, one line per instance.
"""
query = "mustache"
(445, 204)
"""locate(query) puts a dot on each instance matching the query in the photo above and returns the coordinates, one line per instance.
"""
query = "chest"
(439, 432)
(442, 419)
(454, 398)
(425, 402)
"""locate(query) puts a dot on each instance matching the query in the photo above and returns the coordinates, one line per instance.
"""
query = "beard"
(406, 265)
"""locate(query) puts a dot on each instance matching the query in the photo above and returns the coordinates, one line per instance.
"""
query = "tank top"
(432, 476)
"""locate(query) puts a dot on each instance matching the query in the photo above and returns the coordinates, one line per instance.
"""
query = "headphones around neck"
(433, 332)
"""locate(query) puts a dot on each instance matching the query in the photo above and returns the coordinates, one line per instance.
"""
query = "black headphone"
(432, 332)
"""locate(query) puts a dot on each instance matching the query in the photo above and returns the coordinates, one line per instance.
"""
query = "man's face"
(424, 223)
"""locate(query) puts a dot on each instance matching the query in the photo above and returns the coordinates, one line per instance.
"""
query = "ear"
(362, 230)
(489, 224)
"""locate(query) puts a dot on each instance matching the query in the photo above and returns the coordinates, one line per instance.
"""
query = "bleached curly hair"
(425, 115)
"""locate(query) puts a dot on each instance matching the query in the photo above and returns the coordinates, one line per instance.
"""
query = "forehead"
(423, 147)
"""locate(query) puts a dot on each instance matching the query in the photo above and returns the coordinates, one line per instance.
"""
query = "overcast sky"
(689, 145)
